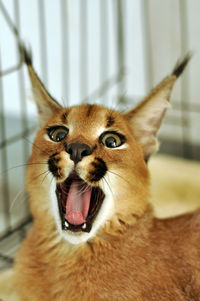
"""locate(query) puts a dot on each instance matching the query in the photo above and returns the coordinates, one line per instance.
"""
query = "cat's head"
(88, 169)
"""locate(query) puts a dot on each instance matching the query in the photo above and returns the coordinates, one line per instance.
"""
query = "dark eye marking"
(99, 170)
(110, 121)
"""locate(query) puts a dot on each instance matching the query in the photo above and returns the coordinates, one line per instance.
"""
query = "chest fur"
(141, 266)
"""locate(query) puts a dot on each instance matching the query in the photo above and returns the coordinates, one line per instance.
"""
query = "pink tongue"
(77, 203)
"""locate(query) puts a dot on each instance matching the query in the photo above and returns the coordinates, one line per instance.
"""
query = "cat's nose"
(77, 151)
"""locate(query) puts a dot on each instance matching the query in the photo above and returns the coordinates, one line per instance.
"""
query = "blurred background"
(95, 51)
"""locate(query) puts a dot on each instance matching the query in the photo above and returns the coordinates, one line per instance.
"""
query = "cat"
(94, 236)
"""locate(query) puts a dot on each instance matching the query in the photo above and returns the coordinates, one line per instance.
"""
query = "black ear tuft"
(47, 106)
(181, 64)
(25, 54)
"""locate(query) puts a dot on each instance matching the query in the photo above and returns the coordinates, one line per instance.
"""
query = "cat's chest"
(110, 280)
(116, 274)
(90, 275)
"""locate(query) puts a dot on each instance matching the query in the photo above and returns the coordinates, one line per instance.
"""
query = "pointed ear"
(46, 104)
(146, 118)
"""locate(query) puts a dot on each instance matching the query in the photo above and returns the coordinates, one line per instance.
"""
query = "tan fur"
(167, 198)
(148, 262)
(7, 286)
(131, 255)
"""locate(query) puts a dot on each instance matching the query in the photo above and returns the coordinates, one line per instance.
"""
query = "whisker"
(22, 165)
(46, 171)
(23, 190)
(45, 176)
(15, 199)
(52, 179)
(83, 190)
(82, 187)
(108, 186)
(119, 176)
(33, 144)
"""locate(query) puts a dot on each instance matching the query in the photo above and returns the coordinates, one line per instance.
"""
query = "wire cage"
(103, 51)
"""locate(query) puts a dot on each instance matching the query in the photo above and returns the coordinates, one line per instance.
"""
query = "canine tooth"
(66, 224)
(84, 226)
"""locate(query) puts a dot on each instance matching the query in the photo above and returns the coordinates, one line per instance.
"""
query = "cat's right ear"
(145, 119)
(47, 106)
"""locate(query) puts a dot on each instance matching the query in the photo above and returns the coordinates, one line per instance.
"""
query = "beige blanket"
(175, 185)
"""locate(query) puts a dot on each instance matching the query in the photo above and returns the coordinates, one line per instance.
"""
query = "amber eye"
(111, 140)
(57, 133)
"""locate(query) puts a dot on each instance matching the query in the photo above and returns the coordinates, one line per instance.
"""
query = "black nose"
(77, 151)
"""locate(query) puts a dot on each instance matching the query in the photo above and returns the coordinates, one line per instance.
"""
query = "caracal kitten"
(94, 236)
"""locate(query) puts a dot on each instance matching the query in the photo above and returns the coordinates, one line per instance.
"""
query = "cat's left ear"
(145, 119)
(47, 106)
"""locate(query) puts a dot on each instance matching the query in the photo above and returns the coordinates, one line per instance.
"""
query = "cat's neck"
(114, 233)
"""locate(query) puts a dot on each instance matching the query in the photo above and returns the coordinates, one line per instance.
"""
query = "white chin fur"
(105, 212)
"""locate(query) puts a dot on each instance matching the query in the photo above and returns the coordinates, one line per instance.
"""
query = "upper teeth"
(84, 226)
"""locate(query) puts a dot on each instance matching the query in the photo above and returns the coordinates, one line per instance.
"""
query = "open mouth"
(78, 203)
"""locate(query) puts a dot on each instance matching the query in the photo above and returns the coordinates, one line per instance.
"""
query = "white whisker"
(15, 199)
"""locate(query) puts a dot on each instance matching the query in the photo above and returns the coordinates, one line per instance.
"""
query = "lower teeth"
(84, 226)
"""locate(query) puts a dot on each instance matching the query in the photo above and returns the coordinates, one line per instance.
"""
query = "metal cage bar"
(4, 158)
(83, 49)
(43, 41)
(185, 105)
(103, 43)
(64, 51)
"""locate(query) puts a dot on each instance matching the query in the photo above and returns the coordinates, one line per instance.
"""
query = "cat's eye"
(112, 140)
(57, 133)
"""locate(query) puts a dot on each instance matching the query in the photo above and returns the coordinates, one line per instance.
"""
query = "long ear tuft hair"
(145, 119)
(46, 104)
(181, 64)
